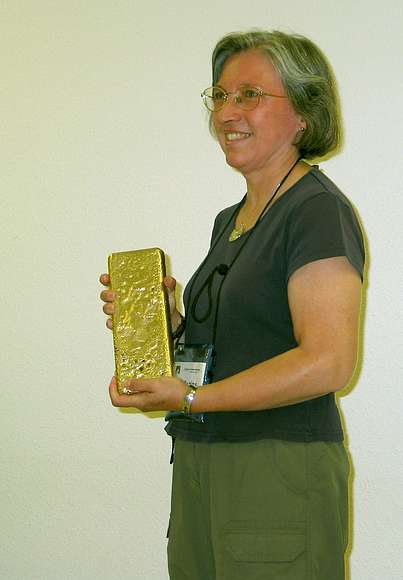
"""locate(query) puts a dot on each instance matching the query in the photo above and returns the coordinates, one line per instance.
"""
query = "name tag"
(193, 364)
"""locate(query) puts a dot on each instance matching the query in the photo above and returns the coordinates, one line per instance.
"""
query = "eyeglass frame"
(260, 93)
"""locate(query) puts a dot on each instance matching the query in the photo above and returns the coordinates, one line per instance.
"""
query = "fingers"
(161, 394)
(117, 399)
(108, 295)
(104, 279)
(108, 308)
(170, 283)
(131, 397)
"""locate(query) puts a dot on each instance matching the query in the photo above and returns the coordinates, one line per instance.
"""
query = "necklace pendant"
(237, 233)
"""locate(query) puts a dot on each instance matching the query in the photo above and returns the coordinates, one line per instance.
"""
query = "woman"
(260, 485)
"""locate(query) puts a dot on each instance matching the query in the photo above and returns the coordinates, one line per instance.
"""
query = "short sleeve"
(324, 226)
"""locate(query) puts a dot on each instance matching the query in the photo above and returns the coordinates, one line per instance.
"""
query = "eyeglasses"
(246, 97)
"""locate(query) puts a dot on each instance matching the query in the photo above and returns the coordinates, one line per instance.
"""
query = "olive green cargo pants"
(261, 510)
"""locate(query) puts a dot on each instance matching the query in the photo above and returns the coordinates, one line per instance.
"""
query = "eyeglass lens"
(246, 98)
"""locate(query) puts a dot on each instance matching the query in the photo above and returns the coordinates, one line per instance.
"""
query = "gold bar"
(142, 335)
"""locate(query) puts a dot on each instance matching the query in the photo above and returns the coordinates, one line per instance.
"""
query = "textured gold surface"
(141, 323)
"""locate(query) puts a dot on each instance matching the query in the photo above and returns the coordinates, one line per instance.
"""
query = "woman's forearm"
(289, 378)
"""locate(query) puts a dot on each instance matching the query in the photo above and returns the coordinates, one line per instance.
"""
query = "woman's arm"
(324, 298)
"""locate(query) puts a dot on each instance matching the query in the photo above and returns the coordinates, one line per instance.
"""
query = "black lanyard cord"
(209, 279)
(223, 269)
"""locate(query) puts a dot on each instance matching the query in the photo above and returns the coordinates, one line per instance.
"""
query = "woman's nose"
(230, 109)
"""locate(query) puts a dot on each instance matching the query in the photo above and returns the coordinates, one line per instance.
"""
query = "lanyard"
(223, 269)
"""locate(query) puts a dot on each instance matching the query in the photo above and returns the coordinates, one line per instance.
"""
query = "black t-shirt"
(312, 220)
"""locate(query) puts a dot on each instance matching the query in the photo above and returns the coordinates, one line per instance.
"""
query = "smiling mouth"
(234, 136)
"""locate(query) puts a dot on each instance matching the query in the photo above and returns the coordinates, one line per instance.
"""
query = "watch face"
(188, 400)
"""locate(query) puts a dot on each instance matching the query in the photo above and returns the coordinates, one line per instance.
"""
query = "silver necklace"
(237, 232)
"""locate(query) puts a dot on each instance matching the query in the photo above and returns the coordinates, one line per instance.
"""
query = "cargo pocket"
(258, 554)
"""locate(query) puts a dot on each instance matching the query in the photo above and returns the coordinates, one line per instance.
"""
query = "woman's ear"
(300, 131)
(302, 124)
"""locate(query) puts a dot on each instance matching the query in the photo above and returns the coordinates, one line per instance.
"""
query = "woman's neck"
(258, 197)
(261, 184)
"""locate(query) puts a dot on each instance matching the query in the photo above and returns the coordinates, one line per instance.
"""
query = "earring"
(302, 129)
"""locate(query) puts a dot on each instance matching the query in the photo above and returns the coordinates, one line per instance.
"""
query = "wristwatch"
(188, 400)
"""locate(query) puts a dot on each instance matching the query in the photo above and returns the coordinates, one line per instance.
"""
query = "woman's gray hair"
(307, 78)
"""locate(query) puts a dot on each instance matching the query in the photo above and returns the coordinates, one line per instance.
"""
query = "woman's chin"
(234, 161)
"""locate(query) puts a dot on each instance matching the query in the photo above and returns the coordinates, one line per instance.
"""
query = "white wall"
(104, 148)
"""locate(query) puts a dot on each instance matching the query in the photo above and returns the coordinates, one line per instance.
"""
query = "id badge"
(193, 364)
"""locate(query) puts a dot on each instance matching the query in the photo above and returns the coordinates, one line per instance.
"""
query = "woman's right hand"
(108, 296)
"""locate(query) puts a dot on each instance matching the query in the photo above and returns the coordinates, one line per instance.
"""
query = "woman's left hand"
(161, 394)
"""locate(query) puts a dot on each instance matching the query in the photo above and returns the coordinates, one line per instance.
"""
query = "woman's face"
(252, 140)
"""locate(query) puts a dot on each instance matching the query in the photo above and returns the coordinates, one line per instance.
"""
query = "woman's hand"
(162, 394)
(170, 285)
(109, 297)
